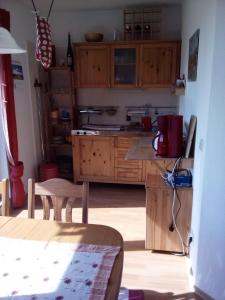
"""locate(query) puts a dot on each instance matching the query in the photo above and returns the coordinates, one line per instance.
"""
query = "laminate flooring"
(162, 276)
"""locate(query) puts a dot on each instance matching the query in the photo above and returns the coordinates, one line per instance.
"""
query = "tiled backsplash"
(155, 102)
(100, 115)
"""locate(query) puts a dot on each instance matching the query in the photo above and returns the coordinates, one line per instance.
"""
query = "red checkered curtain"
(8, 116)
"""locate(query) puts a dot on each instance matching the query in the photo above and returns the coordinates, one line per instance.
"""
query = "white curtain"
(4, 128)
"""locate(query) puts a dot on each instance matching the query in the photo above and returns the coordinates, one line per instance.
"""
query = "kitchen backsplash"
(158, 102)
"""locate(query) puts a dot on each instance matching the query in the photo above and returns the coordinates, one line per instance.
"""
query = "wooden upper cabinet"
(92, 63)
(136, 64)
(159, 64)
(124, 66)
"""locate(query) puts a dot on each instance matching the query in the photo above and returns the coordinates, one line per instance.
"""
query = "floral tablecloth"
(39, 270)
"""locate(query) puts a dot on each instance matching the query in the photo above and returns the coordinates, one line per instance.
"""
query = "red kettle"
(160, 141)
(168, 141)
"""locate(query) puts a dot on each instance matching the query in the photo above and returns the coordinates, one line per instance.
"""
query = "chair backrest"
(4, 192)
(58, 191)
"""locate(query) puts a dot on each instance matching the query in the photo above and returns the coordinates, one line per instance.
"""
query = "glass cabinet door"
(124, 66)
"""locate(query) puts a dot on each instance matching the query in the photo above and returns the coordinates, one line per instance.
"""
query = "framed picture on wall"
(17, 70)
(193, 56)
(189, 149)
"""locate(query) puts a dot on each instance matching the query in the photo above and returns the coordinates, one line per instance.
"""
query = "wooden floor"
(161, 276)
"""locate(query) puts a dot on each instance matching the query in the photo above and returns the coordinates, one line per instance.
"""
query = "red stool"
(48, 171)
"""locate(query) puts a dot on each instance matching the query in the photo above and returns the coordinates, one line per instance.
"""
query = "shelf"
(61, 93)
(139, 18)
(179, 91)
(60, 145)
(60, 68)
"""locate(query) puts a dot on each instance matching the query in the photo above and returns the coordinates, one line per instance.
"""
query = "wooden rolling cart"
(159, 198)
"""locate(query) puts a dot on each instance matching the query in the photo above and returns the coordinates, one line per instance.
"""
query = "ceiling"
(72, 5)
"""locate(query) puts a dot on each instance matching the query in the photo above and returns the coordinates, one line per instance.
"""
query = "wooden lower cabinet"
(102, 159)
(127, 171)
(93, 158)
(159, 200)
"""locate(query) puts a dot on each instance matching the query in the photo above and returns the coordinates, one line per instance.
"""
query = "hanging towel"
(43, 43)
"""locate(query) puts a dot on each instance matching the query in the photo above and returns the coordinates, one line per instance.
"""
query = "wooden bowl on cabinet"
(93, 37)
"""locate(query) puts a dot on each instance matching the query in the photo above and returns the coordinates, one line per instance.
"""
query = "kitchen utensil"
(111, 111)
(93, 37)
(90, 111)
(146, 122)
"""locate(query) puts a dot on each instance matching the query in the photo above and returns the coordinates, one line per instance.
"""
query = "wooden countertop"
(142, 150)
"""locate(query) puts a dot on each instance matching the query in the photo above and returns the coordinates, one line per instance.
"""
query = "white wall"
(197, 94)
(205, 98)
(105, 21)
(23, 30)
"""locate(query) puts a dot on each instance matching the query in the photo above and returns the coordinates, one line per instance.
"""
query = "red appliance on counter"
(169, 138)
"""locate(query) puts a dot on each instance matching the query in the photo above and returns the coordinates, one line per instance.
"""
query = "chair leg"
(85, 202)
(5, 197)
(31, 198)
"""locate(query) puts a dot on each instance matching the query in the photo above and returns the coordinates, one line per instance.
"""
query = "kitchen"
(98, 87)
(111, 20)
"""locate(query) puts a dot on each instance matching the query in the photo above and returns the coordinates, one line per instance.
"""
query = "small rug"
(125, 294)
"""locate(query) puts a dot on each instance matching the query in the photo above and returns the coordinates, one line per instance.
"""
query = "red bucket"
(48, 171)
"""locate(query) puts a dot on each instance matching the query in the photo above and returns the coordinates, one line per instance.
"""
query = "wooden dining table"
(43, 230)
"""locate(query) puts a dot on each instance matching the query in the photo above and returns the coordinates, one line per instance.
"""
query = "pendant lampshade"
(7, 43)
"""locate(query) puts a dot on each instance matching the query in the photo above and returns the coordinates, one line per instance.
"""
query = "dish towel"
(43, 42)
(38, 270)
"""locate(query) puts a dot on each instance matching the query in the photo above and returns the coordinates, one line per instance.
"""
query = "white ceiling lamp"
(7, 43)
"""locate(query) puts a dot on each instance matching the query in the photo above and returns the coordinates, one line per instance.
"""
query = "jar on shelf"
(54, 116)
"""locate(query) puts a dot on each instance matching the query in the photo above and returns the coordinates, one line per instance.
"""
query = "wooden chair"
(58, 191)
(4, 192)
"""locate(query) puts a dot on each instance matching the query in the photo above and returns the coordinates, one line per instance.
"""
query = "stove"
(85, 132)
(102, 127)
